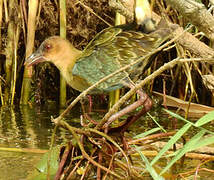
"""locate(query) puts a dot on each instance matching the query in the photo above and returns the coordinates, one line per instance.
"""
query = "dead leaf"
(194, 110)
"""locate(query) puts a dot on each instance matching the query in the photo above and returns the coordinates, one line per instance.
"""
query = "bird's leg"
(90, 103)
(143, 100)
(130, 120)
(86, 114)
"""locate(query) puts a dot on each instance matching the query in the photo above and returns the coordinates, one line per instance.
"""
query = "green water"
(28, 128)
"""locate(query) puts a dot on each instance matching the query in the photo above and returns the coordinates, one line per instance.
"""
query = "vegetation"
(183, 69)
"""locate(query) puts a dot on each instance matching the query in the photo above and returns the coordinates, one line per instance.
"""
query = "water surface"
(29, 128)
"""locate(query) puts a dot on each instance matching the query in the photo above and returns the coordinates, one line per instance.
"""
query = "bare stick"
(90, 159)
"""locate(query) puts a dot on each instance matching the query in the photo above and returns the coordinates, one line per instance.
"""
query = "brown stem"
(62, 162)
(100, 162)
(89, 158)
(109, 167)
(74, 169)
(160, 135)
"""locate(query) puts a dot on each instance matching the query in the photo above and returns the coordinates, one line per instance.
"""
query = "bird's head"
(143, 16)
(52, 50)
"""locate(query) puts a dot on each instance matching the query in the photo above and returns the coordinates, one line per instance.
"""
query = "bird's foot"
(143, 100)
(85, 116)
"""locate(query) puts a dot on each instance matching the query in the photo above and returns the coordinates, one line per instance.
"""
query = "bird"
(110, 50)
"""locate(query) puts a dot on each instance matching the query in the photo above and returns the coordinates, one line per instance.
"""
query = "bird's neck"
(66, 60)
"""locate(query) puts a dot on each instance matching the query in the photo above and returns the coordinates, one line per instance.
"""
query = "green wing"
(112, 49)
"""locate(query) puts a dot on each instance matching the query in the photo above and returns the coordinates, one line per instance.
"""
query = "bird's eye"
(47, 47)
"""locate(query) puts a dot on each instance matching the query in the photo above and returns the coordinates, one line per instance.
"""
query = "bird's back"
(112, 49)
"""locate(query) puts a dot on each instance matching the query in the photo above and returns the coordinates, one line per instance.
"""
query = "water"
(17, 166)
(30, 129)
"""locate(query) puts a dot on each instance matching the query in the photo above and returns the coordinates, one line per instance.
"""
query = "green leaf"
(146, 133)
(41, 168)
(183, 119)
(175, 115)
(186, 148)
(172, 141)
(205, 119)
(42, 165)
(149, 168)
(204, 142)
(153, 118)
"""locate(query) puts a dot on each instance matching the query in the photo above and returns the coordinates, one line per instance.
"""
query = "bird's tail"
(162, 32)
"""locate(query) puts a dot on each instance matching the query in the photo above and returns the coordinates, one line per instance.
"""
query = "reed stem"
(31, 27)
(62, 6)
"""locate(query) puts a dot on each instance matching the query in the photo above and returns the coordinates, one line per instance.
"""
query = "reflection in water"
(26, 127)
(29, 127)
(19, 165)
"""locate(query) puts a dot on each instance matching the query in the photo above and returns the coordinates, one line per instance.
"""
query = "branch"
(149, 78)
(189, 42)
(197, 14)
(85, 155)
(203, 20)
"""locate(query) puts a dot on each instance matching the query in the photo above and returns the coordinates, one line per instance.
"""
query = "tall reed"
(31, 27)
(1, 10)
(62, 6)
(9, 49)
